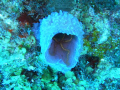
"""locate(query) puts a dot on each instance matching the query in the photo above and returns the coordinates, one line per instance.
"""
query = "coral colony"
(61, 40)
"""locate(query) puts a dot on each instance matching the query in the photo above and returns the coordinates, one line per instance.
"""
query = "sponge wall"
(61, 40)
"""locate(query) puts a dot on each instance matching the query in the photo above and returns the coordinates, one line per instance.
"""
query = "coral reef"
(23, 65)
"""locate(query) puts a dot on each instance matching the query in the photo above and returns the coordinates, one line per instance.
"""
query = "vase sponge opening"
(61, 47)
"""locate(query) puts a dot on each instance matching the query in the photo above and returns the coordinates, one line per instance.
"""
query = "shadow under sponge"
(61, 40)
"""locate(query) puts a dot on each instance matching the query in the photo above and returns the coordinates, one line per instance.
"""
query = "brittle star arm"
(69, 39)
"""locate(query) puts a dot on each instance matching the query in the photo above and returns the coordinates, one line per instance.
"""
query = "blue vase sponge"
(61, 40)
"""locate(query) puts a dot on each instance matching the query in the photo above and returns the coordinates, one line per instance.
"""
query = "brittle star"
(61, 45)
